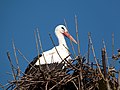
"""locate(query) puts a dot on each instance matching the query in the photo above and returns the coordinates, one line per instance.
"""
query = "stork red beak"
(70, 37)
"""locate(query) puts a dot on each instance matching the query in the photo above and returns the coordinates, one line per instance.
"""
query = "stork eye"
(63, 28)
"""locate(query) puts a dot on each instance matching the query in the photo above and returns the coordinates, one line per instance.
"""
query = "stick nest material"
(55, 77)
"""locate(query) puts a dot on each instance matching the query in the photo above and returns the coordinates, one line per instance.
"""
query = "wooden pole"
(104, 62)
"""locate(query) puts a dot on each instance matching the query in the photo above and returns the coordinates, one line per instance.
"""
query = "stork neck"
(61, 39)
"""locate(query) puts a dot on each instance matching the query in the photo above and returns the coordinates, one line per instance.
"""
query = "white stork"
(56, 53)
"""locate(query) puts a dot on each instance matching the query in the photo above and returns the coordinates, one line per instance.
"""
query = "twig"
(75, 85)
(12, 75)
(76, 23)
(108, 85)
(112, 43)
(25, 58)
(95, 57)
(71, 78)
(41, 45)
(113, 61)
(46, 86)
(106, 56)
(16, 58)
(12, 87)
(104, 62)
(70, 41)
(73, 67)
(42, 49)
(88, 48)
(80, 73)
(36, 39)
(12, 67)
(59, 82)
(79, 85)
(55, 47)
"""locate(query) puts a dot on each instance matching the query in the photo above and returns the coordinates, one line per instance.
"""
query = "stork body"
(57, 53)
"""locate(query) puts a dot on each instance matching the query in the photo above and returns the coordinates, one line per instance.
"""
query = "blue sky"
(19, 19)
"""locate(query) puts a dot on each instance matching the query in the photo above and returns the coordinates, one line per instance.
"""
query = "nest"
(63, 76)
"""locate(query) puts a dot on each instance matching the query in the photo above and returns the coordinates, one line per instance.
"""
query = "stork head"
(61, 29)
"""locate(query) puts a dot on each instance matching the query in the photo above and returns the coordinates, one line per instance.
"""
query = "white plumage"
(52, 55)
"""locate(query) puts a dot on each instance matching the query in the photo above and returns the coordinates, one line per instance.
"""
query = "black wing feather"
(31, 67)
